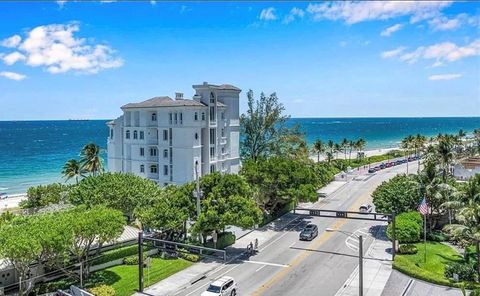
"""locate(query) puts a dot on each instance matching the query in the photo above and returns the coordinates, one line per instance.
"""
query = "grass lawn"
(124, 278)
(438, 255)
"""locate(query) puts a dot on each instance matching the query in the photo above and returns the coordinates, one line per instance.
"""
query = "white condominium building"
(167, 140)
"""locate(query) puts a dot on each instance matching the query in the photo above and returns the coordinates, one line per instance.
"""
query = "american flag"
(423, 207)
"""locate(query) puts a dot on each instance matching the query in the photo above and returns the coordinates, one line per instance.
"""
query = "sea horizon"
(34, 151)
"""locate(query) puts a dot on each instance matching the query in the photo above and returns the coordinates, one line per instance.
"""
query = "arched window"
(154, 116)
(212, 98)
(142, 168)
(127, 134)
(135, 135)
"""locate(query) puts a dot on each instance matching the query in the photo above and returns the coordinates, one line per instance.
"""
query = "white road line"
(274, 241)
(258, 269)
(265, 263)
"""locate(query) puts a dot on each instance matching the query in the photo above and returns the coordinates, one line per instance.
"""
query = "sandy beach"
(368, 153)
(11, 201)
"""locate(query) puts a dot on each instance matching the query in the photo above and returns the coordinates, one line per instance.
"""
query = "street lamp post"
(360, 257)
(197, 193)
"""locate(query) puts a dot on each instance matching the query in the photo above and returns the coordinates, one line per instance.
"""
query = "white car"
(224, 286)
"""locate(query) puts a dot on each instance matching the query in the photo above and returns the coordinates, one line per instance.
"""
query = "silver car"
(365, 209)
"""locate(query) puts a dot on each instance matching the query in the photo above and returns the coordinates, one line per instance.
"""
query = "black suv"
(309, 232)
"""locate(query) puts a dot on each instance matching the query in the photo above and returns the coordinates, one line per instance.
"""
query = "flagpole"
(425, 237)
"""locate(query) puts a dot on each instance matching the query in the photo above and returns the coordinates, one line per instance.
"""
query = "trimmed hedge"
(408, 227)
(465, 271)
(408, 249)
(115, 254)
(224, 240)
(133, 260)
(103, 290)
(189, 257)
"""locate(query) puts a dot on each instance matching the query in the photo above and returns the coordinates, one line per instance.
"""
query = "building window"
(212, 168)
(153, 151)
(212, 98)
(212, 113)
(135, 135)
(170, 117)
(203, 116)
(153, 169)
(223, 132)
(222, 115)
(212, 151)
(154, 116)
(212, 136)
(142, 151)
(127, 134)
(195, 117)
(181, 118)
(165, 153)
(142, 135)
(165, 135)
(111, 133)
(196, 136)
(223, 150)
(165, 184)
(176, 118)
(165, 170)
(142, 168)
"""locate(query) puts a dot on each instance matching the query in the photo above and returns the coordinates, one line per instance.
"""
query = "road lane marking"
(285, 233)
(314, 245)
(266, 263)
(258, 269)
(204, 285)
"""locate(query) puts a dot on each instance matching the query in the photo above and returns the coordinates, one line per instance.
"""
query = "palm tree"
(329, 156)
(446, 154)
(344, 145)
(72, 169)
(319, 148)
(337, 148)
(90, 159)
(419, 143)
(360, 144)
(331, 146)
(351, 145)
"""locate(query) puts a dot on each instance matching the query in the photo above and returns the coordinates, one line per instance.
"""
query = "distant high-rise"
(167, 140)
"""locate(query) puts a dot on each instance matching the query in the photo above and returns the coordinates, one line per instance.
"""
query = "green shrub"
(224, 240)
(103, 290)
(437, 236)
(44, 195)
(52, 286)
(475, 292)
(407, 231)
(412, 216)
(190, 257)
(465, 271)
(408, 249)
(115, 254)
(133, 260)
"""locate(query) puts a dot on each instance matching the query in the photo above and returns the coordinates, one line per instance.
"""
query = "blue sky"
(70, 59)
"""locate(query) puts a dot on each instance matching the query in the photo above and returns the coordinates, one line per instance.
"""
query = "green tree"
(278, 181)
(89, 226)
(227, 201)
(90, 159)
(120, 191)
(446, 154)
(360, 145)
(264, 127)
(44, 195)
(318, 148)
(73, 169)
(344, 147)
(399, 194)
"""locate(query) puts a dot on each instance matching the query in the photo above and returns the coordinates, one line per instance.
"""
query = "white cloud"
(444, 77)
(393, 53)
(268, 14)
(443, 23)
(358, 11)
(153, 2)
(13, 57)
(12, 41)
(293, 14)
(55, 48)
(12, 75)
(443, 52)
(390, 30)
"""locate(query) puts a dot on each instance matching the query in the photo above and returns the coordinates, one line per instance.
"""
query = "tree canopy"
(399, 194)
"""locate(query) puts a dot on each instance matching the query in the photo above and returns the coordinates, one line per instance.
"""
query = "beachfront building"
(170, 140)
(466, 168)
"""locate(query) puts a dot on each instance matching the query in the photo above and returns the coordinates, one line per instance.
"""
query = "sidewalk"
(377, 267)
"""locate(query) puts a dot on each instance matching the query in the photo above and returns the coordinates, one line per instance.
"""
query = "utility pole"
(140, 261)
(197, 189)
(360, 264)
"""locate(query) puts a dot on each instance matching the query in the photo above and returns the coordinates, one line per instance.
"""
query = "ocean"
(33, 152)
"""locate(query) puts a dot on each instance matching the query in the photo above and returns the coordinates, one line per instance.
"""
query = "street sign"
(341, 214)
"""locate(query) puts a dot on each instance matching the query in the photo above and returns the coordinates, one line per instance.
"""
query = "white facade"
(163, 139)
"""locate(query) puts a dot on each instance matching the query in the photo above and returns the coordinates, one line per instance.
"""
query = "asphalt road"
(286, 266)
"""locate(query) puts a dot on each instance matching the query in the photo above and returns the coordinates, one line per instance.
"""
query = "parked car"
(224, 286)
(371, 170)
(365, 209)
(398, 162)
(377, 168)
(388, 164)
(309, 232)
(382, 166)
